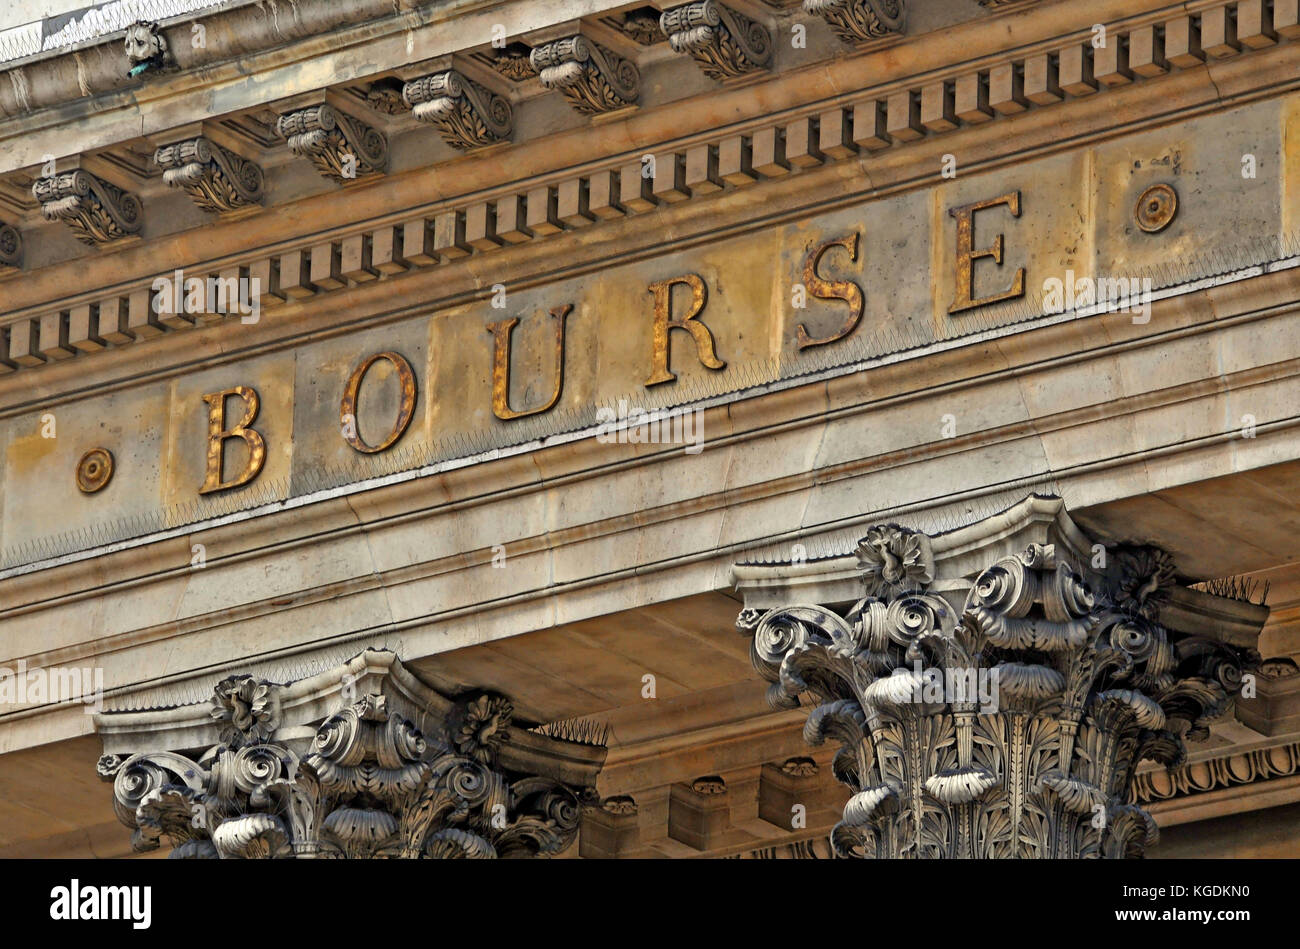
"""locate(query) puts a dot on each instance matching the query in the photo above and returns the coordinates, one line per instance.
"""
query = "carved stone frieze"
(97, 211)
(11, 247)
(621, 805)
(367, 783)
(799, 767)
(592, 78)
(1231, 769)
(1282, 667)
(467, 114)
(709, 785)
(217, 179)
(341, 147)
(855, 21)
(1003, 711)
(724, 42)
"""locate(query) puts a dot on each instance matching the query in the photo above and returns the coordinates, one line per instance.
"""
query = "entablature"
(928, 108)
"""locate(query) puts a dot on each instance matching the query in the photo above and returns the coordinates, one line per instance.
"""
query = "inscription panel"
(693, 321)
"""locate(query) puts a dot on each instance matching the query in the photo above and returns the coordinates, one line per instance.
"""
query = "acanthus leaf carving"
(727, 44)
(341, 147)
(217, 179)
(99, 212)
(385, 96)
(591, 77)
(466, 114)
(513, 62)
(642, 25)
(1011, 727)
(857, 21)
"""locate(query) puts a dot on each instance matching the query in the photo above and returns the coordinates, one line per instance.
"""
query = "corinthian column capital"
(994, 688)
(361, 781)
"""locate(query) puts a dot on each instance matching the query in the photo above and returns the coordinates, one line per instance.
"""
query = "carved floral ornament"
(367, 783)
(466, 114)
(726, 43)
(1002, 712)
(216, 178)
(97, 211)
(856, 21)
(341, 147)
(11, 247)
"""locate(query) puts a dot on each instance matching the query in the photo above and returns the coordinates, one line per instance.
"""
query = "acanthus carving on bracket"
(367, 784)
(217, 179)
(96, 210)
(341, 147)
(592, 78)
(465, 113)
(11, 247)
(1002, 712)
(727, 44)
(856, 21)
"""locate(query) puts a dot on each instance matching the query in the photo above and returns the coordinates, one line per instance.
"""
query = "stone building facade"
(598, 430)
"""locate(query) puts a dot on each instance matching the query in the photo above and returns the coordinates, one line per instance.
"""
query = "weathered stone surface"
(536, 558)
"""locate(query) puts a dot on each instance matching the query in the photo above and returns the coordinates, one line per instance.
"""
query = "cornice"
(247, 38)
(1191, 92)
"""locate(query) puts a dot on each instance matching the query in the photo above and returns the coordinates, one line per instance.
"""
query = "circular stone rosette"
(1156, 208)
(94, 470)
